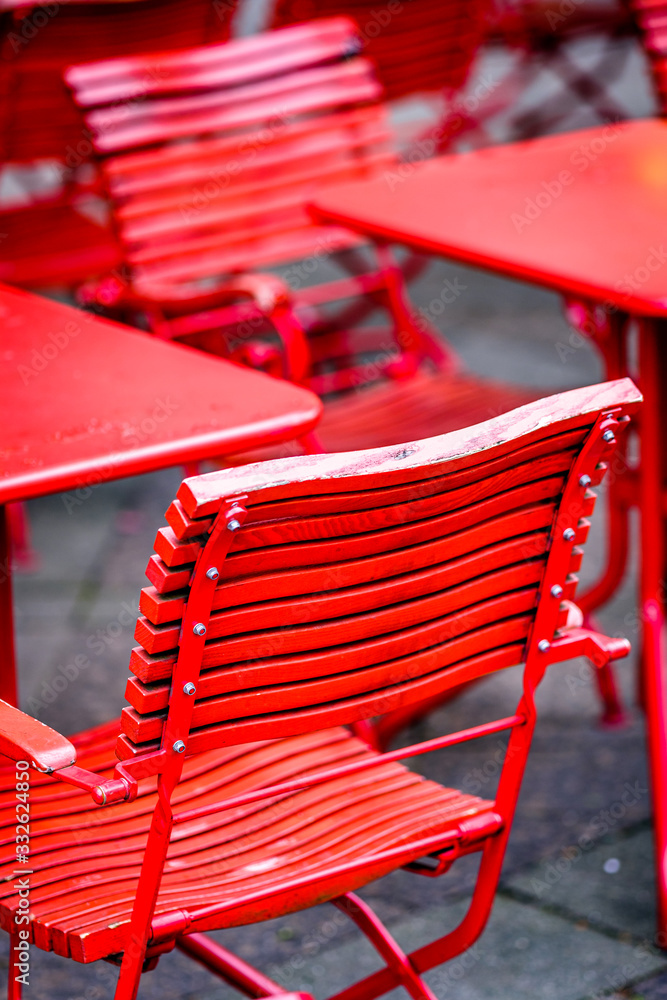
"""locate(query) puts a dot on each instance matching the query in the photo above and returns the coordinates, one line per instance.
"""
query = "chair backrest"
(422, 45)
(37, 43)
(222, 146)
(356, 584)
(651, 17)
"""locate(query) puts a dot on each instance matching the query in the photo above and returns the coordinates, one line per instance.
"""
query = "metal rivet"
(608, 436)
(199, 629)
(179, 746)
(584, 481)
(233, 525)
(556, 590)
(212, 573)
(543, 645)
(189, 688)
(568, 534)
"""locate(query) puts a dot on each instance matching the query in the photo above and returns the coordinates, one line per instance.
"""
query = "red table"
(85, 401)
(585, 214)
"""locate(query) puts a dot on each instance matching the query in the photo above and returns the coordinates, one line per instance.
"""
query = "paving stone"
(523, 953)
(607, 883)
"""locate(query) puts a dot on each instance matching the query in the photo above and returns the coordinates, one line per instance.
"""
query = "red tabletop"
(83, 399)
(517, 210)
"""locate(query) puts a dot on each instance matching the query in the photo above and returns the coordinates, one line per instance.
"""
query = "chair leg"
(146, 893)
(396, 959)
(228, 966)
(14, 984)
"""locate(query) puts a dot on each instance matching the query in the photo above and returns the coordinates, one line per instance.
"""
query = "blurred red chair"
(61, 236)
(208, 176)
(291, 600)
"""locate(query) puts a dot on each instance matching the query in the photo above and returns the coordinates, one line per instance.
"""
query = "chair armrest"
(171, 309)
(599, 649)
(25, 738)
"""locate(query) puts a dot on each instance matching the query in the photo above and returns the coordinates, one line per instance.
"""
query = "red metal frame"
(223, 520)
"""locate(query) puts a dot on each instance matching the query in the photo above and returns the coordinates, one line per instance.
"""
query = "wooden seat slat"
(165, 121)
(338, 601)
(419, 506)
(64, 914)
(286, 638)
(150, 170)
(291, 582)
(150, 669)
(307, 43)
(310, 502)
(250, 253)
(265, 208)
(346, 712)
(151, 695)
(141, 727)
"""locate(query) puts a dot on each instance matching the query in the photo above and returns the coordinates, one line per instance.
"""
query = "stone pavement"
(574, 915)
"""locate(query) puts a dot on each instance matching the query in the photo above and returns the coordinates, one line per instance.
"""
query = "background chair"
(291, 600)
(209, 174)
(61, 236)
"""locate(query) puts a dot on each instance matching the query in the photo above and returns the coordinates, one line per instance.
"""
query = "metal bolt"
(608, 436)
(543, 645)
(179, 746)
(212, 573)
(233, 525)
(556, 590)
(568, 534)
(199, 629)
(624, 419)
(189, 688)
(584, 481)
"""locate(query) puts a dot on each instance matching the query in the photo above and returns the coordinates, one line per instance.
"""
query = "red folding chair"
(63, 238)
(208, 175)
(291, 600)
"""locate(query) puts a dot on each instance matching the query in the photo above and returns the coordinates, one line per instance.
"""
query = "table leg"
(653, 368)
(8, 685)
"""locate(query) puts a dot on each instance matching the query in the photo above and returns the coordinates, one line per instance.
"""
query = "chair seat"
(46, 245)
(85, 860)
